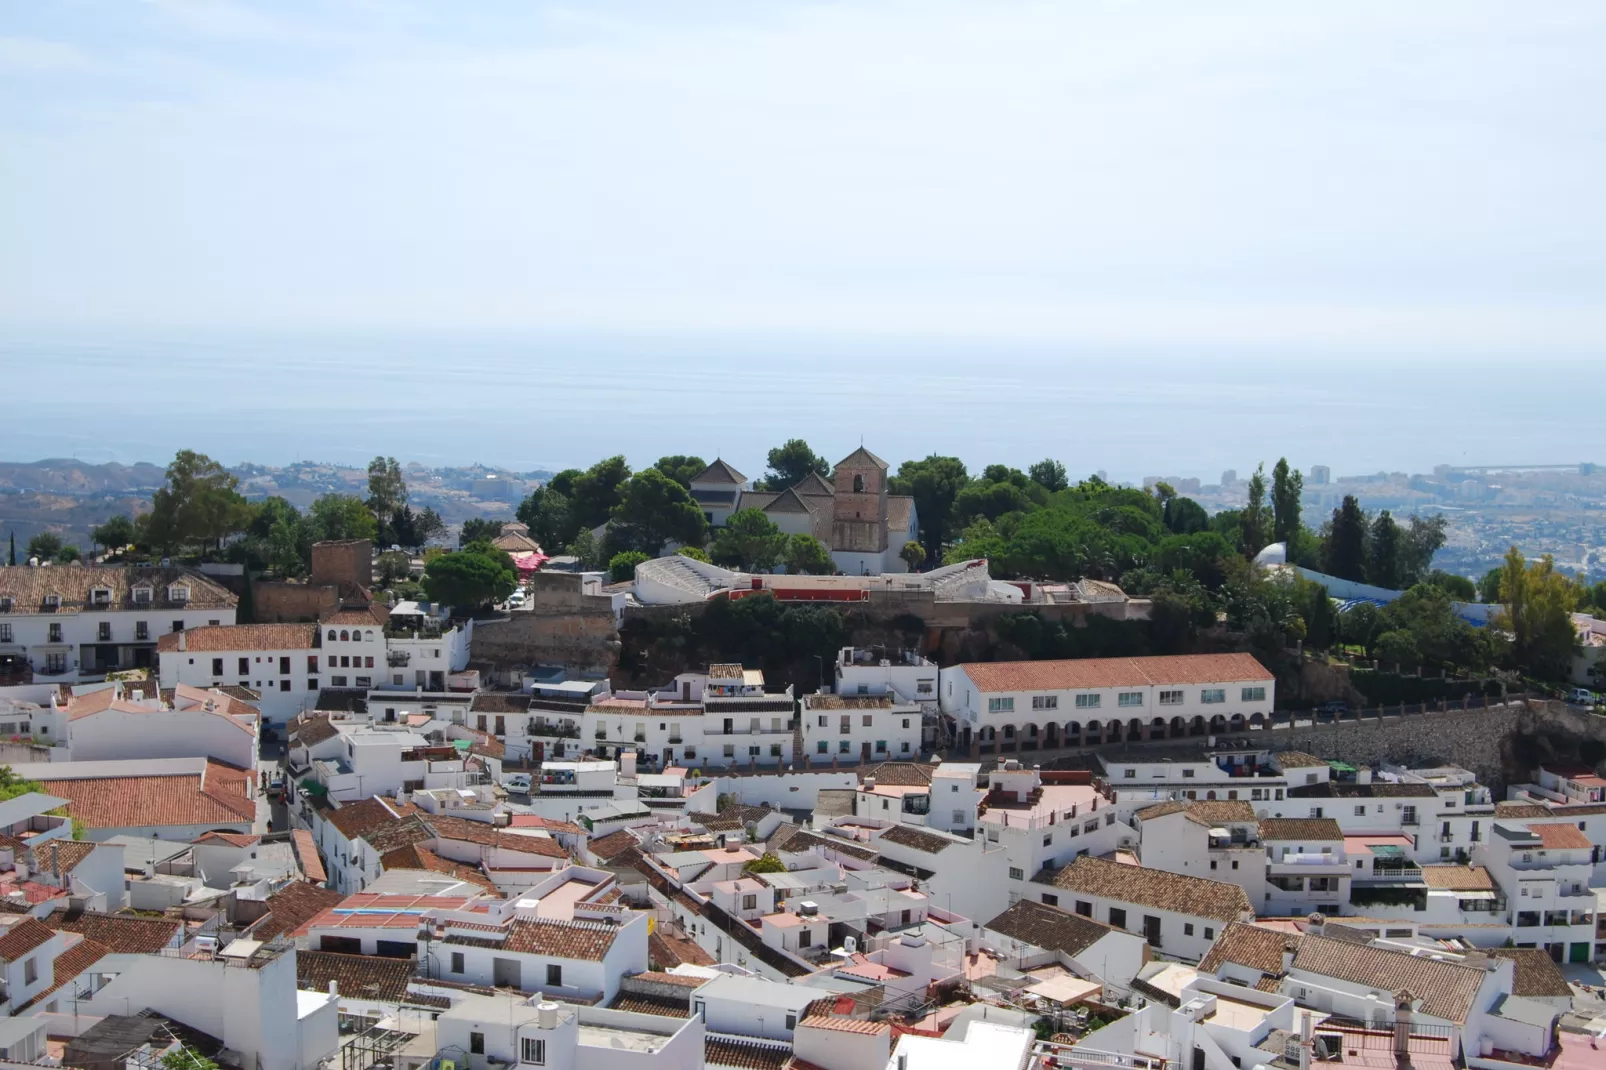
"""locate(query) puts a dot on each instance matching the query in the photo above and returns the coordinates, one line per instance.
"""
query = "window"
(312, 683)
(1187, 774)
(5, 603)
(1212, 696)
(1016, 873)
(822, 747)
(217, 666)
(105, 631)
(1130, 774)
(1001, 705)
(55, 633)
(730, 750)
(5, 633)
(959, 817)
(1048, 839)
(476, 1043)
(805, 938)
(1187, 928)
(245, 666)
(554, 975)
(1045, 702)
(178, 626)
(532, 1050)
(1254, 694)
(368, 661)
(457, 962)
(30, 971)
(284, 685)
(1209, 933)
(1118, 917)
(178, 593)
(775, 750)
(750, 902)
(284, 666)
(1171, 698)
(881, 746)
(1129, 698)
(752, 751)
(55, 664)
(1088, 702)
(905, 747)
(52, 601)
(868, 720)
(142, 630)
(843, 746)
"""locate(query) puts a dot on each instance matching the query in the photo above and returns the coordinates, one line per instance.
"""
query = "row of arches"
(353, 635)
(1078, 734)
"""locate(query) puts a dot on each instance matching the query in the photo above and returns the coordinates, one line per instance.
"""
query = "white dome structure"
(1275, 554)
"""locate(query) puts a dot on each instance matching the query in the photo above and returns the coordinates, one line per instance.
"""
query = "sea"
(548, 400)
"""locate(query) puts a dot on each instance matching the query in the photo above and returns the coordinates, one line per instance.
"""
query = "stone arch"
(331, 635)
(1073, 733)
(1179, 728)
(1134, 729)
(1093, 732)
(345, 636)
(1257, 720)
(1218, 723)
(1210, 796)
(1051, 734)
(1196, 727)
(1236, 724)
(1157, 728)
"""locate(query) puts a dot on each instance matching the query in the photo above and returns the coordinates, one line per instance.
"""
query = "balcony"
(1390, 875)
(398, 658)
(552, 731)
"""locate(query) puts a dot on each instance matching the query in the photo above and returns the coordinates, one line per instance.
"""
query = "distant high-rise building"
(1229, 477)
(1320, 475)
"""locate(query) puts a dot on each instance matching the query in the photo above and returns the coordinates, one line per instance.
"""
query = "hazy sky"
(1429, 175)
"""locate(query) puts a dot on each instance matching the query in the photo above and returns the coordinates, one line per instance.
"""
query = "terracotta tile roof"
(844, 1025)
(669, 979)
(668, 951)
(395, 835)
(311, 728)
(417, 856)
(1377, 789)
(909, 836)
(901, 774)
(1208, 813)
(1155, 888)
(225, 637)
(1095, 673)
(123, 933)
(851, 702)
(1246, 944)
(1284, 829)
(1458, 878)
(719, 472)
(28, 588)
(726, 671)
(22, 936)
(536, 821)
(306, 850)
(561, 939)
(742, 1055)
(356, 819)
(499, 702)
(1536, 975)
(660, 1005)
(1560, 837)
(292, 906)
(216, 797)
(69, 965)
(371, 614)
(232, 839)
(1446, 989)
(360, 977)
(1516, 809)
(457, 828)
(613, 844)
(1162, 809)
(61, 856)
(1049, 927)
(1296, 759)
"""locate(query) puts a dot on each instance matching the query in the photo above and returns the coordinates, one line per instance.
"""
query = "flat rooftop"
(614, 1038)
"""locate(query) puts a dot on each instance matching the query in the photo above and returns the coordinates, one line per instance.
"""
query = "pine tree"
(12, 560)
(1286, 487)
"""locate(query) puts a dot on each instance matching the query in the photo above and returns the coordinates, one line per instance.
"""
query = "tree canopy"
(654, 509)
(680, 468)
(807, 555)
(791, 462)
(934, 484)
(468, 579)
(197, 508)
(341, 516)
(478, 529)
(749, 541)
(1538, 615)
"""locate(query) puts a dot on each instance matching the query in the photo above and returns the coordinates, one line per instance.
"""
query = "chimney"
(1402, 1025)
(334, 988)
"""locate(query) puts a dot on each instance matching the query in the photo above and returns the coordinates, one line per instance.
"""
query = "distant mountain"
(66, 476)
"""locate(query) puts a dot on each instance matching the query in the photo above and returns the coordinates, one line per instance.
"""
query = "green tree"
(806, 555)
(588, 548)
(768, 862)
(696, 553)
(1204, 556)
(654, 509)
(1346, 542)
(341, 516)
(67, 554)
(1049, 474)
(11, 554)
(980, 540)
(934, 483)
(989, 499)
(1597, 597)
(1287, 484)
(622, 566)
(394, 565)
(1184, 516)
(1383, 563)
(1397, 647)
(1256, 521)
(184, 1058)
(1320, 624)
(199, 506)
(12, 785)
(1418, 543)
(1489, 586)
(791, 462)
(466, 579)
(913, 555)
(478, 529)
(1358, 625)
(427, 527)
(682, 469)
(596, 492)
(387, 488)
(547, 514)
(1538, 615)
(749, 541)
(1457, 587)
(45, 546)
(116, 533)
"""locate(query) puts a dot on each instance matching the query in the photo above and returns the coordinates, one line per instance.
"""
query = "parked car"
(517, 783)
(1581, 696)
(516, 600)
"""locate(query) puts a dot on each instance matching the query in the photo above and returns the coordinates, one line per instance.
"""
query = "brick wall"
(288, 603)
(346, 562)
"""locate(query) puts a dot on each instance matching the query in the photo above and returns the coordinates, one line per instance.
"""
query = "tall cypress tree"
(1286, 487)
(1346, 544)
(13, 558)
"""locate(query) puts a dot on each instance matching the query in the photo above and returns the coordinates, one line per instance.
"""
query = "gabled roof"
(292, 906)
(788, 501)
(814, 485)
(1154, 888)
(417, 856)
(123, 933)
(311, 728)
(1446, 989)
(73, 585)
(61, 856)
(1209, 813)
(1049, 927)
(1286, 829)
(21, 936)
(719, 472)
(589, 941)
(1247, 944)
(372, 977)
(900, 774)
(69, 965)
(918, 839)
(1458, 878)
(1536, 975)
(356, 819)
(229, 637)
(862, 456)
(213, 797)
